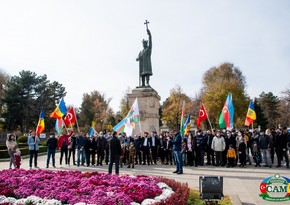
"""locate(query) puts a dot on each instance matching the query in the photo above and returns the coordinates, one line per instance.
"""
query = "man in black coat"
(145, 147)
(101, 146)
(154, 146)
(115, 153)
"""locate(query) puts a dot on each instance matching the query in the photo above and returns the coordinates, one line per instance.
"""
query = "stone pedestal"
(148, 101)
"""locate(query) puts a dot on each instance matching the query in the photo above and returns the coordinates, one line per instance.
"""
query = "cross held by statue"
(146, 22)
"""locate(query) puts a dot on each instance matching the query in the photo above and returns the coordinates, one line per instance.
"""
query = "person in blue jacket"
(176, 141)
(33, 142)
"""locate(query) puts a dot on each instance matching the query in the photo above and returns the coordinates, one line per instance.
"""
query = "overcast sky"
(92, 45)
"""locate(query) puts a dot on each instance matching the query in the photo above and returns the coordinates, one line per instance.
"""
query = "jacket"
(31, 141)
(218, 144)
(115, 147)
(176, 142)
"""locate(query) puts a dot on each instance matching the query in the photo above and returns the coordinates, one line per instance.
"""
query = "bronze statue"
(144, 58)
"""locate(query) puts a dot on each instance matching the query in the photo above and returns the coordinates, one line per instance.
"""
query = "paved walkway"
(239, 183)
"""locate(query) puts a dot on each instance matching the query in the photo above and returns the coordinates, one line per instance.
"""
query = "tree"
(270, 106)
(260, 117)
(171, 107)
(94, 108)
(4, 77)
(217, 83)
(284, 108)
(124, 106)
(24, 97)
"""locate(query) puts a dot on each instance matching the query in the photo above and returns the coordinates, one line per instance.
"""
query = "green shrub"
(22, 139)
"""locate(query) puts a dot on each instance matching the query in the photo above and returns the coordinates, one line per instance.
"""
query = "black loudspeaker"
(211, 188)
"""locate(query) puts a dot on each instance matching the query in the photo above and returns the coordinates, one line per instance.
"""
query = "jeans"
(11, 154)
(178, 161)
(114, 159)
(71, 152)
(81, 156)
(65, 152)
(50, 152)
(266, 157)
(33, 153)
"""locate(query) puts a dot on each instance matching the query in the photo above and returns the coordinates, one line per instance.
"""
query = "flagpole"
(207, 118)
(76, 120)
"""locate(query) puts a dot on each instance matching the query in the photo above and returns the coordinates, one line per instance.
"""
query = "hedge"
(24, 151)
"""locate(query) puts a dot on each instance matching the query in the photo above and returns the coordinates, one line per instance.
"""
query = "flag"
(40, 125)
(202, 115)
(128, 123)
(251, 114)
(186, 126)
(59, 126)
(182, 120)
(59, 111)
(70, 117)
(226, 119)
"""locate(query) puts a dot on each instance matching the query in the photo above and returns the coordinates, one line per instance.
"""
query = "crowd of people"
(215, 148)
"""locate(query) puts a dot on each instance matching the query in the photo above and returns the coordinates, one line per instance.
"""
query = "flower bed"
(73, 186)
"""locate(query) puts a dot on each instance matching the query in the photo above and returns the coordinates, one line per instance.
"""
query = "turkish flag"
(202, 115)
(70, 117)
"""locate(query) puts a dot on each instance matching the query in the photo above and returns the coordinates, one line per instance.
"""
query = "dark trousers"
(146, 153)
(231, 162)
(50, 153)
(93, 154)
(101, 154)
(199, 156)
(107, 156)
(114, 159)
(280, 154)
(168, 156)
(33, 153)
(64, 151)
(190, 158)
(154, 154)
(219, 158)
(138, 157)
(162, 155)
(72, 152)
(88, 154)
(210, 157)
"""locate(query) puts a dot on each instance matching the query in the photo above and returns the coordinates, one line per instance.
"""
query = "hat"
(231, 146)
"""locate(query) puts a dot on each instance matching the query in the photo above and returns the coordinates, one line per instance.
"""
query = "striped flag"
(182, 120)
(40, 126)
(251, 114)
(226, 119)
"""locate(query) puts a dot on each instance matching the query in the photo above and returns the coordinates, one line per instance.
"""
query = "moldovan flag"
(70, 117)
(40, 125)
(202, 115)
(182, 120)
(59, 111)
(251, 114)
(187, 124)
(226, 119)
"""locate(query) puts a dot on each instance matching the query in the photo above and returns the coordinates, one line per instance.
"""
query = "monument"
(148, 98)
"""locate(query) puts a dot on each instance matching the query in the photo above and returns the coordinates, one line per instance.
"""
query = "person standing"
(137, 142)
(218, 146)
(209, 152)
(115, 153)
(146, 143)
(63, 145)
(101, 146)
(190, 151)
(281, 146)
(199, 148)
(33, 142)
(51, 148)
(154, 146)
(265, 147)
(176, 141)
(11, 146)
(88, 148)
(80, 145)
(72, 149)
(161, 149)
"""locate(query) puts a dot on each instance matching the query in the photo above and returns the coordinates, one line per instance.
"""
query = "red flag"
(70, 117)
(201, 116)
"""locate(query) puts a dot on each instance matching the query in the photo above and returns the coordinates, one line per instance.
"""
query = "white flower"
(134, 203)
(148, 202)
(9, 200)
(2, 198)
(167, 192)
(162, 186)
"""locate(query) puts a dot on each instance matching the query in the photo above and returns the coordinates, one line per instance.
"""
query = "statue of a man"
(144, 58)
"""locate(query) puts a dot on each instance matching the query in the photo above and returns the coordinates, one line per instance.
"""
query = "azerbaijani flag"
(59, 111)
(119, 128)
(226, 119)
(40, 125)
(186, 126)
(182, 120)
(251, 114)
(59, 124)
